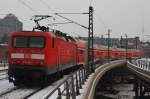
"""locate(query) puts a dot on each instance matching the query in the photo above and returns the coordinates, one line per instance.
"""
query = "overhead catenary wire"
(101, 20)
(58, 14)
(29, 7)
(73, 13)
(48, 6)
(60, 23)
(71, 21)
(91, 1)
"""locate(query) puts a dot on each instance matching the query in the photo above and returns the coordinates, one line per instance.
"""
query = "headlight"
(38, 56)
(17, 55)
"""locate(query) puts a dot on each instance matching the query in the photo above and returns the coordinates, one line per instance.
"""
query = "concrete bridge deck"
(138, 89)
(99, 72)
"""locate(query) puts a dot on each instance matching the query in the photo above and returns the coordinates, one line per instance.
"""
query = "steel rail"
(8, 91)
(34, 92)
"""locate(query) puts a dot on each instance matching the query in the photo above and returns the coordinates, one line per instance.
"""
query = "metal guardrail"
(71, 86)
(143, 64)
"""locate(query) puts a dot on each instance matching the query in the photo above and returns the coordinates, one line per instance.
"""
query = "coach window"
(53, 42)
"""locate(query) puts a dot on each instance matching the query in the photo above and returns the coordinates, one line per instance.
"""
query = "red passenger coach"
(81, 52)
(114, 53)
(39, 54)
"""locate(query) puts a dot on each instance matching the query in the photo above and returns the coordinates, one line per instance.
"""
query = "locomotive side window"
(21, 42)
(36, 42)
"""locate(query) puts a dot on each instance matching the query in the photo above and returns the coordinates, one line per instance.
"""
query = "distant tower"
(137, 42)
(143, 30)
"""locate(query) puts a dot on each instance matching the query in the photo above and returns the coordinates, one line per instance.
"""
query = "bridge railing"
(69, 87)
(143, 64)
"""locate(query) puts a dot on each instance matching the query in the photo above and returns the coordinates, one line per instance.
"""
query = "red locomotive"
(39, 54)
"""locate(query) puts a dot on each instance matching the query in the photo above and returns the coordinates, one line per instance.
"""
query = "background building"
(8, 24)
(133, 43)
(145, 46)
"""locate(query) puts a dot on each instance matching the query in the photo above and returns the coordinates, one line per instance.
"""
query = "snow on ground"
(146, 59)
(19, 93)
(125, 91)
(3, 75)
(84, 88)
(2, 67)
(5, 86)
(41, 93)
(123, 87)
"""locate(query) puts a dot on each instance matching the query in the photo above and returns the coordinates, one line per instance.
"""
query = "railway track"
(4, 78)
(3, 70)
(3, 75)
(19, 93)
(11, 92)
(8, 91)
(25, 92)
(34, 92)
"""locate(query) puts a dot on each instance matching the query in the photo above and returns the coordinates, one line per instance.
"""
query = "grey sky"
(121, 16)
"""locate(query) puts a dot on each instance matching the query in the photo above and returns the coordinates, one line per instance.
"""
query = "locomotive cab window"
(28, 42)
(20, 42)
(36, 42)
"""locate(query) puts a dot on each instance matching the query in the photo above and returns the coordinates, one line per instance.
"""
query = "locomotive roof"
(61, 35)
(80, 44)
(33, 33)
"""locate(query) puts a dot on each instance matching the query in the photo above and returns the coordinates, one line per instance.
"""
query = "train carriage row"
(41, 54)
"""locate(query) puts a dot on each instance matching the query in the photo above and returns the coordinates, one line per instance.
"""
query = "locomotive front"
(27, 56)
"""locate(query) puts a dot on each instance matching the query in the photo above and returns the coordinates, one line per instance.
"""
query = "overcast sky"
(121, 16)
